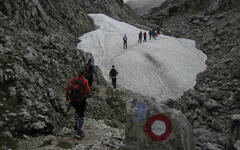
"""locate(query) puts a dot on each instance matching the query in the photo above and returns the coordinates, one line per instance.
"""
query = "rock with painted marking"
(152, 126)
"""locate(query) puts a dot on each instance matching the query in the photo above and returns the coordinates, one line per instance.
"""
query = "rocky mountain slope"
(38, 56)
(213, 105)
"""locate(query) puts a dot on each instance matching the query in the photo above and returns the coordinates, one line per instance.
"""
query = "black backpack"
(75, 89)
(113, 73)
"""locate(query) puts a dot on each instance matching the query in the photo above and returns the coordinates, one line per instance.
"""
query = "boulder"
(153, 126)
(211, 104)
(7, 134)
(12, 92)
(214, 6)
(211, 146)
(50, 140)
(237, 145)
(38, 125)
(234, 137)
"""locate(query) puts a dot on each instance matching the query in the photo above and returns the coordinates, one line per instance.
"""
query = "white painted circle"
(158, 127)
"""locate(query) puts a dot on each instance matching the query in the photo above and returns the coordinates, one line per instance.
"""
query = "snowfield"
(162, 68)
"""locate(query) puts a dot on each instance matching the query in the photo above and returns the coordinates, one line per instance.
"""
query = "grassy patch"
(64, 145)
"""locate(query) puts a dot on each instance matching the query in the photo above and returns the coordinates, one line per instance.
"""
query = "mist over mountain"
(142, 7)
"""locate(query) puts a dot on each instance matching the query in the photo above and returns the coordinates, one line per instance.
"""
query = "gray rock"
(20, 72)
(38, 125)
(11, 114)
(211, 104)
(27, 102)
(2, 123)
(12, 92)
(51, 93)
(66, 131)
(26, 115)
(7, 134)
(236, 73)
(236, 117)
(137, 137)
(206, 18)
(31, 55)
(1, 76)
(196, 21)
(26, 137)
(237, 145)
(211, 146)
(214, 6)
(50, 140)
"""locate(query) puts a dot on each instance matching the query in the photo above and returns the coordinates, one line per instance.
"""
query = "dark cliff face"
(47, 15)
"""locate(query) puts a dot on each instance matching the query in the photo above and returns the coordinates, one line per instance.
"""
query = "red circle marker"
(164, 127)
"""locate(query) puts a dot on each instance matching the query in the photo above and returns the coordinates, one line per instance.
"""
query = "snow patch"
(163, 68)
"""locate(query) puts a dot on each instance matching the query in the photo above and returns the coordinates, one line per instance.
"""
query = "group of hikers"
(142, 37)
(79, 89)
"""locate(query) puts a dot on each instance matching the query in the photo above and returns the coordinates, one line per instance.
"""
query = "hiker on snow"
(113, 75)
(125, 42)
(89, 70)
(154, 33)
(150, 34)
(76, 93)
(145, 37)
(158, 30)
(140, 37)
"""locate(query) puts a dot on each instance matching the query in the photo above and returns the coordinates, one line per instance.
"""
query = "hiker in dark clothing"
(158, 30)
(89, 70)
(154, 34)
(150, 34)
(145, 37)
(113, 74)
(125, 42)
(77, 92)
(140, 37)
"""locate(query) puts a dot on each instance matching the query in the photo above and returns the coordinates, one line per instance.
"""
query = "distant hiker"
(145, 37)
(89, 70)
(158, 30)
(76, 93)
(154, 34)
(140, 37)
(150, 34)
(113, 74)
(125, 42)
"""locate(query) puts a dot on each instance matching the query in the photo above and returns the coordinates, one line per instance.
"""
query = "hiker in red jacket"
(145, 37)
(76, 93)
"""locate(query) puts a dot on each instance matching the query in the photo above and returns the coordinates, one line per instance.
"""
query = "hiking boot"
(80, 133)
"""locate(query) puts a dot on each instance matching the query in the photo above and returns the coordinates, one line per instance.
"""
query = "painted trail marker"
(158, 127)
(140, 112)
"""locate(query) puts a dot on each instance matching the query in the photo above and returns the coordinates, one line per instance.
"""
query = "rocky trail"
(39, 54)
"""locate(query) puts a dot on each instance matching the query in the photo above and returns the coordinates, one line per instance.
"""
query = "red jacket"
(86, 88)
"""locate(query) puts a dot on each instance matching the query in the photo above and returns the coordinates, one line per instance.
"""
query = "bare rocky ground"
(214, 101)
(38, 56)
